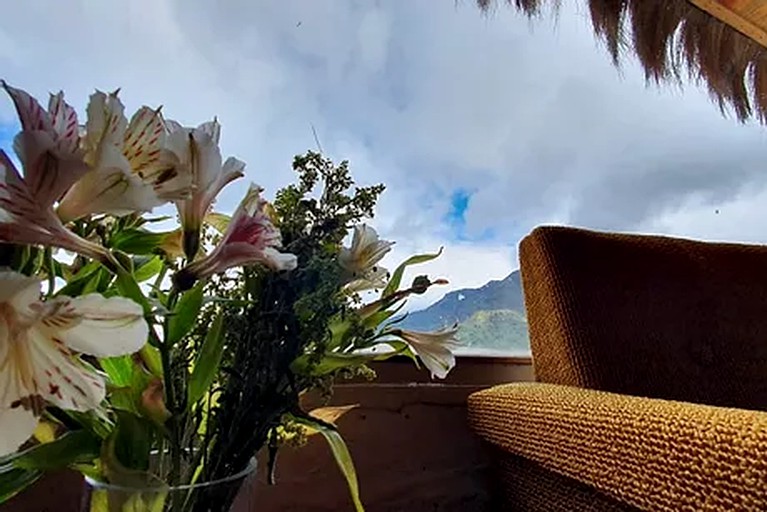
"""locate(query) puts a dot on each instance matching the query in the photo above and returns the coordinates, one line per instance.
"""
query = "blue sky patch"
(459, 203)
(456, 215)
(7, 132)
(456, 218)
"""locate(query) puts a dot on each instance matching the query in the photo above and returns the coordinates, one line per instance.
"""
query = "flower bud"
(153, 403)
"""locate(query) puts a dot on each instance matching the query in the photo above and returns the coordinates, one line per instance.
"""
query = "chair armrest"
(650, 453)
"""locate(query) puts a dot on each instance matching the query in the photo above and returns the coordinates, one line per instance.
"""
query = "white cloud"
(464, 265)
(741, 219)
(427, 97)
(373, 37)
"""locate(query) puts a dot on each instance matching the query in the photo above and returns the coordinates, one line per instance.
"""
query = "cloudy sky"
(482, 126)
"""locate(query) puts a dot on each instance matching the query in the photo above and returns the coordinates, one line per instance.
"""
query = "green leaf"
(113, 470)
(148, 270)
(208, 360)
(334, 361)
(341, 454)
(137, 241)
(94, 421)
(106, 280)
(129, 380)
(120, 369)
(75, 284)
(161, 218)
(123, 260)
(396, 277)
(34, 261)
(104, 501)
(340, 333)
(128, 287)
(133, 440)
(14, 480)
(124, 399)
(129, 398)
(219, 221)
(402, 349)
(184, 314)
(90, 470)
(72, 447)
(98, 282)
(379, 317)
(152, 359)
(58, 269)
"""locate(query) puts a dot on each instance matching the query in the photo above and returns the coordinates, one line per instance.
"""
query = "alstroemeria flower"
(434, 349)
(195, 152)
(48, 144)
(26, 219)
(48, 149)
(360, 261)
(250, 238)
(130, 169)
(39, 343)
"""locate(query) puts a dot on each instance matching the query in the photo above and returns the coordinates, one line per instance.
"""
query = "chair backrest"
(648, 315)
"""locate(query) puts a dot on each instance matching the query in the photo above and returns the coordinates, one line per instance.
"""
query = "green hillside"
(460, 305)
(501, 329)
(490, 317)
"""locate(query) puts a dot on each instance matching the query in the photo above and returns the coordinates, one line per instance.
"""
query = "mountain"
(460, 305)
(499, 329)
(491, 317)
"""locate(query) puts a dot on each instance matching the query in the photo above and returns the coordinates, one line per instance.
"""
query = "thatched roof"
(721, 42)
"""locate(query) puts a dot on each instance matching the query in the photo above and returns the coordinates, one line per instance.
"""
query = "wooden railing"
(409, 439)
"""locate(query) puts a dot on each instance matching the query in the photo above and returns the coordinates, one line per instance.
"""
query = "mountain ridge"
(489, 317)
(460, 305)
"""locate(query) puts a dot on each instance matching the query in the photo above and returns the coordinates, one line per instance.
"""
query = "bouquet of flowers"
(160, 361)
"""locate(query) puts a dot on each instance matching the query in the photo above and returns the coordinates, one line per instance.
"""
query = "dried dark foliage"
(672, 38)
(283, 316)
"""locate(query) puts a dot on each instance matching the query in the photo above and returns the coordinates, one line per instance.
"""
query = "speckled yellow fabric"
(521, 484)
(648, 315)
(614, 317)
(648, 453)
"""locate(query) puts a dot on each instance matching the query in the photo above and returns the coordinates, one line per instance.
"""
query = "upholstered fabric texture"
(651, 357)
(649, 316)
(524, 485)
(651, 454)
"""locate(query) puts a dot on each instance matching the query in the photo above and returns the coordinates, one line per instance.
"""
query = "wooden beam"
(749, 17)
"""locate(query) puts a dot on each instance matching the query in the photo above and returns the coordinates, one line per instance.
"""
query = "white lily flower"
(48, 148)
(145, 149)
(26, 218)
(434, 349)
(130, 170)
(360, 261)
(195, 153)
(48, 145)
(250, 238)
(38, 346)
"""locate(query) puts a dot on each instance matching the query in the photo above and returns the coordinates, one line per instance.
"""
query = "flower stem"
(170, 397)
(51, 271)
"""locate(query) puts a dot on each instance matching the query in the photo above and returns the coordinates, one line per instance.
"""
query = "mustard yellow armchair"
(650, 355)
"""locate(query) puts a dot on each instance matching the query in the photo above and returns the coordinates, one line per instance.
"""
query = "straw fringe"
(673, 38)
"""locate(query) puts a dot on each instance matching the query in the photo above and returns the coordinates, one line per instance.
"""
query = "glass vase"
(234, 493)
